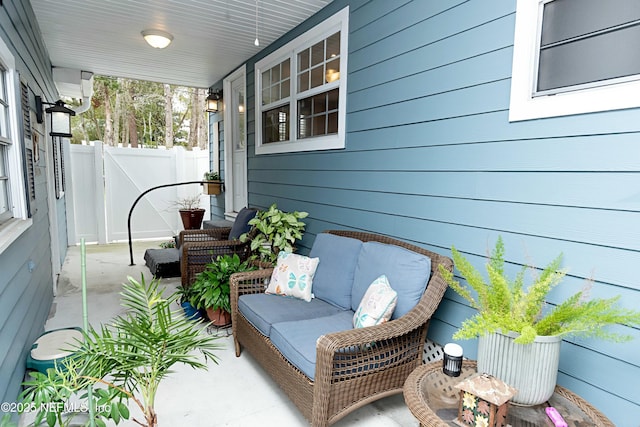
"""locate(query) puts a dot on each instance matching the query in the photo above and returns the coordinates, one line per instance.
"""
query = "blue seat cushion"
(241, 224)
(263, 310)
(296, 340)
(334, 276)
(408, 273)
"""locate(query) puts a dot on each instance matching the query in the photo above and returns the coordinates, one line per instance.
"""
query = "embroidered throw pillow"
(377, 305)
(293, 276)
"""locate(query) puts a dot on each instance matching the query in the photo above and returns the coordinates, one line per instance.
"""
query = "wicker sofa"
(336, 368)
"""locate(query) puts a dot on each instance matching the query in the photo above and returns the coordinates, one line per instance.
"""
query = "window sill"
(12, 230)
(320, 143)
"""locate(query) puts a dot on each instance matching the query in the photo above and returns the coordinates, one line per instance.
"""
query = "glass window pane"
(285, 88)
(319, 125)
(275, 124)
(303, 82)
(333, 99)
(304, 128)
(266, 79)
(303, 60)
(4, 122)
(266, 96)
(333, 45)
(317, 53)
(3, 93)
(275, 74)
(590, 60)
(286, 69)
(317, 76)
(4, 198)
(333, 71)
(319, 104)
(304, 107)
(275, 93)
(332, 123)
(241, 137)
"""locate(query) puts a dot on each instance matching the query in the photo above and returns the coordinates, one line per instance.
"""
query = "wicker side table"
(430, 396)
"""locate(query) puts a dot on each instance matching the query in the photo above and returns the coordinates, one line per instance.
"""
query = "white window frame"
(337, 22)
(524, 106)
(13, 228)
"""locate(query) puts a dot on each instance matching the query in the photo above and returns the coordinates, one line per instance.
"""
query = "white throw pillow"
(293, 276)
(377, 304)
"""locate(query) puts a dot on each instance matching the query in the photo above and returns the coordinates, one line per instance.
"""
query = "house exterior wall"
(26, 274)
(432, 158)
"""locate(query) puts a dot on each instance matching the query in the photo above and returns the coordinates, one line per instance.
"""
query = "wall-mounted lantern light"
(60, 117)
(214, 101)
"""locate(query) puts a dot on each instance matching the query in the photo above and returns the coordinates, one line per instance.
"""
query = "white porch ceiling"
(211, 37)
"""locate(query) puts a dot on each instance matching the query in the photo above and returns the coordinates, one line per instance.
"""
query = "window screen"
(587, 43)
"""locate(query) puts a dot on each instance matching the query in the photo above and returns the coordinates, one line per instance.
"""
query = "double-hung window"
(575, 56)
(13, 197)
(301, 91)
(5, 145)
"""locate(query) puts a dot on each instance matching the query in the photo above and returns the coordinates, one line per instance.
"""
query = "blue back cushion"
(241, 224)
(408, 273)
(334, 276)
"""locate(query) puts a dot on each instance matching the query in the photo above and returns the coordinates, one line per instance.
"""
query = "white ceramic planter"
(530, 368)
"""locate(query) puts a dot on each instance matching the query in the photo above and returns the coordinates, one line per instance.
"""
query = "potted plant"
(129, 358)
(214, 185)
(184, 298)
(519, 336)
(210, 290)
(275, 231)
(190, 212)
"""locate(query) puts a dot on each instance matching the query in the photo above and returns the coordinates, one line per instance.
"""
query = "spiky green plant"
(130, 356)
(507, 305)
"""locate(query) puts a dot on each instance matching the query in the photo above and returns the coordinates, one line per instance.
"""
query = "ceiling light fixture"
(157, 38)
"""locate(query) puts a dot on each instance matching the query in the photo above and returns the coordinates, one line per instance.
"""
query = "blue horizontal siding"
(25, 296)
(431, 158)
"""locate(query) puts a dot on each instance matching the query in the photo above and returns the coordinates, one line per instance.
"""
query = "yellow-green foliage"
(507, 305)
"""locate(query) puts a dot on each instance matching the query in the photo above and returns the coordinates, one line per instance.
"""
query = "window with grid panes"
(14, 214)
(301, 92)
(5, 145)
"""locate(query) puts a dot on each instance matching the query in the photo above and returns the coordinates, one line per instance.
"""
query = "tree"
(130, 112)
(168, 116)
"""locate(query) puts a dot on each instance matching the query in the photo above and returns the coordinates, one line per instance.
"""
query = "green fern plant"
(508, 305)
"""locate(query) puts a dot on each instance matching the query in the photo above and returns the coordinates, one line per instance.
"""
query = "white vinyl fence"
(105, 182)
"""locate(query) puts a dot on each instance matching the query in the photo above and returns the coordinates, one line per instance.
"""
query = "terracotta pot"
(192, 218)
(219, 317)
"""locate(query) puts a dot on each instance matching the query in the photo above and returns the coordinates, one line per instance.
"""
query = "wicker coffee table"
(430, 396)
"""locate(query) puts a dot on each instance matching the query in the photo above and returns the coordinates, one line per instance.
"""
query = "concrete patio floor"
(235, 392)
